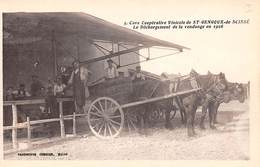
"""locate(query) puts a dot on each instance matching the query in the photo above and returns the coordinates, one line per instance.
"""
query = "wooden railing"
(29, 123)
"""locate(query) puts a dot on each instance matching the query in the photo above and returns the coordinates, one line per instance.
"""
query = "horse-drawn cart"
(113, 102)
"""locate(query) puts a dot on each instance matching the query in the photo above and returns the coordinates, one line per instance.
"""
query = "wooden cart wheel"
(130, 121)
(105, 118)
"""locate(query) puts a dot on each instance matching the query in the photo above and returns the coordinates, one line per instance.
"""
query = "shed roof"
(29, 27)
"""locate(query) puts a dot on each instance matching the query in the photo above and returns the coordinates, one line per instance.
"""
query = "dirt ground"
(229, 142)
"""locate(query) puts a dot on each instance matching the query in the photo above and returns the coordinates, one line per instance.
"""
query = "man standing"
(111, 71)
(78, 79)
(137, 85)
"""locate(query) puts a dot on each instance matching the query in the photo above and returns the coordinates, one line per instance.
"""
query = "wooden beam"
(28, 131)
(113, 55)
(74, 124)
(137, 53)
(14, 130)
(133, 104)
(62, 129)
(44, 121)
(33, 101)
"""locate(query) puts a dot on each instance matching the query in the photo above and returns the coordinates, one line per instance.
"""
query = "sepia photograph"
(163, 80)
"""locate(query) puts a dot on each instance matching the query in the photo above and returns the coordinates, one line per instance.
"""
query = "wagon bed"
(111, 100)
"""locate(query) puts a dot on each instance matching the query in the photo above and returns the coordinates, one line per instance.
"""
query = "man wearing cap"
(78, 79)
(138, 76)
(111, 71)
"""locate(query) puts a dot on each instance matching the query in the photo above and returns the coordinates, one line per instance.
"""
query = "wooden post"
(148, 53)
(62, 130)
(28, 132)
(74, 124)
(14, 130)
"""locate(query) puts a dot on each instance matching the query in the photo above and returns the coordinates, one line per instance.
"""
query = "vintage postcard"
(130, 80)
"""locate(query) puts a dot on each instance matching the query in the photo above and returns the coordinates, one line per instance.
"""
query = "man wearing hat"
(78, 79)
(111, 71)
(138, 76)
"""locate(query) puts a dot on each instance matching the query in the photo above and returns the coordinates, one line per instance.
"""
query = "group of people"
(20, 93)
(37, 90)
(80, 75)
(78, 81)
(111, 72)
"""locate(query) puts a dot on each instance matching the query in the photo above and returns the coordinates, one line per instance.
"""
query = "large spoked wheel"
(130, 121)
(105, 118)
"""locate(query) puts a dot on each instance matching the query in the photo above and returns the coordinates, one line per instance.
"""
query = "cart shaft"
(133, 104)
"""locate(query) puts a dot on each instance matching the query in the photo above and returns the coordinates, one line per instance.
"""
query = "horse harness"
(215, 92)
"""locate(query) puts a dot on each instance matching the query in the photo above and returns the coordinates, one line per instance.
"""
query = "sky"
(229, 50)
(232, 50)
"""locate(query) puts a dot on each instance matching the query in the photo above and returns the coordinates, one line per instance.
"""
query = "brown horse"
(212, 86)
(235, 91)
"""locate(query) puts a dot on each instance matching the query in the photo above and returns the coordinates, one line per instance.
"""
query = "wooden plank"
(44, 121)
(67, 118)
(21, 125)
(64, 99)
(158, 98)
(62, 129)
(80, 115)
(76, 115)
(22, 102)
(7, 127)
(18, 126)
(113, 55)
(33, 101)
(14, 130)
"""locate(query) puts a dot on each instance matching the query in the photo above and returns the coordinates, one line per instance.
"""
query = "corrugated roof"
(25, 27)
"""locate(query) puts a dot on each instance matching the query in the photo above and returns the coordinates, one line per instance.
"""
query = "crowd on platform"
(58, 88)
